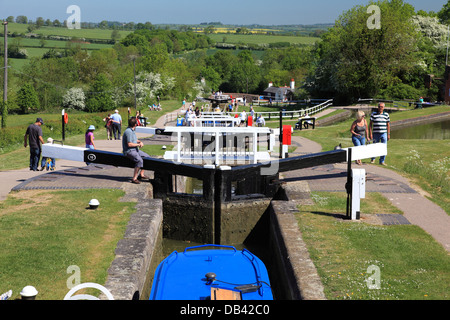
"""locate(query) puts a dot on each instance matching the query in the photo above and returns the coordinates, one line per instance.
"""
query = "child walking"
(89, 139)
(48, 163)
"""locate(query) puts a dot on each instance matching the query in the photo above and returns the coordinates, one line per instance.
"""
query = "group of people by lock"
(378, 130)
(130, 145)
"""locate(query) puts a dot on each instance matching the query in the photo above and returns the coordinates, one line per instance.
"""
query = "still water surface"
(436, 131)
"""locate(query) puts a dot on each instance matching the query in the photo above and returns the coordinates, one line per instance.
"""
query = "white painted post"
(179, 147)
(285, 150)
(255, 147)
(358, 192)
(217, 148)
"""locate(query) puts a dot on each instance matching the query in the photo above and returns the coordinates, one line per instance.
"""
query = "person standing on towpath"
(34, 137)
(380, 129)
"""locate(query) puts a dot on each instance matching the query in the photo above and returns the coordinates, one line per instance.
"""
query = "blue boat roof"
(183, 276)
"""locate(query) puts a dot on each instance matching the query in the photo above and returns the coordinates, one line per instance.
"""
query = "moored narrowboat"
(211, 272)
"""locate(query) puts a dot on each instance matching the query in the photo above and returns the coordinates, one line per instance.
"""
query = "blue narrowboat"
(211, 272)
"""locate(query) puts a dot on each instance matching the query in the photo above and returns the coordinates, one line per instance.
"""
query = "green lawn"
(45, 232)
(425, 162)
(410, 264)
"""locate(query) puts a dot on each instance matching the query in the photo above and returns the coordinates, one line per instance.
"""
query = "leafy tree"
(50, 77)
(211, 77)
(245, 75)
(22, 19)
(39, 22)
(222, 62)
(400, 91)
(356, 61)
(174, 41)
(444, 13)
(154, 58)
(277, 77)
(115, 35)
(27, 99)
(102, 61)
(100, 96)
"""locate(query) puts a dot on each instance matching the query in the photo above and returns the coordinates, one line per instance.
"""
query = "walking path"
(418, 210)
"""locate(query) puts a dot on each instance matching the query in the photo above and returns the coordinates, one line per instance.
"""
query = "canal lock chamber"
(245, 222)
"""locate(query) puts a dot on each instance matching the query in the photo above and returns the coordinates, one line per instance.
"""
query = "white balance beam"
(63, 152)
(145, 130)
(368, 151)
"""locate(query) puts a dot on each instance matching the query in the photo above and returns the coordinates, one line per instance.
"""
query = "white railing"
(215, 122)
(268, 115)
(294, 114)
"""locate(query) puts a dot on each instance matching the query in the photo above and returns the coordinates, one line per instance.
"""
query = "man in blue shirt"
(116, 125)
(130, 146)
(380, 129)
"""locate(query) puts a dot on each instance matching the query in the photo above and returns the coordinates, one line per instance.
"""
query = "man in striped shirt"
(380, 129)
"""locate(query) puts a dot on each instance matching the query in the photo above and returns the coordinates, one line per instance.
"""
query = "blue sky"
(266, 12)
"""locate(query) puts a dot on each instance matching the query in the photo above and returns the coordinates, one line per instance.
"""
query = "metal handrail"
(270, 114)
(291, 114)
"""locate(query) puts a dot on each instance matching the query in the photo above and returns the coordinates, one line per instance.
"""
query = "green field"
(104, 34)
(36, 43)
(261, 39)
(35, 49)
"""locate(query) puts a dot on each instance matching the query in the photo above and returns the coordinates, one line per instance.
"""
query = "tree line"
(350, 62)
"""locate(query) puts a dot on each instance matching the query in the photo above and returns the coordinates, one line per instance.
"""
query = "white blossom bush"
(199, 89)
(149, 85)
(431, 28)
(117, 96)
(74, 99)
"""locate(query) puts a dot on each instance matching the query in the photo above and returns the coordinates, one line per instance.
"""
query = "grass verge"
(362, 261)
(45, 232)
(425, 162)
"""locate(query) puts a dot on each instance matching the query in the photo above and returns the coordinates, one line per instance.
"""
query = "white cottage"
(280, 93)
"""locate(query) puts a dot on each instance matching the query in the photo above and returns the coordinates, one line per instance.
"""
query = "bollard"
(29, 293)
(358, 192)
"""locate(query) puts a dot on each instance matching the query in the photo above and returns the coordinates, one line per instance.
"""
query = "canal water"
(435, 131)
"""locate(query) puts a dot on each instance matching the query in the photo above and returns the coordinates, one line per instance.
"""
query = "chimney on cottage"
(270, 84)
(292, 84)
